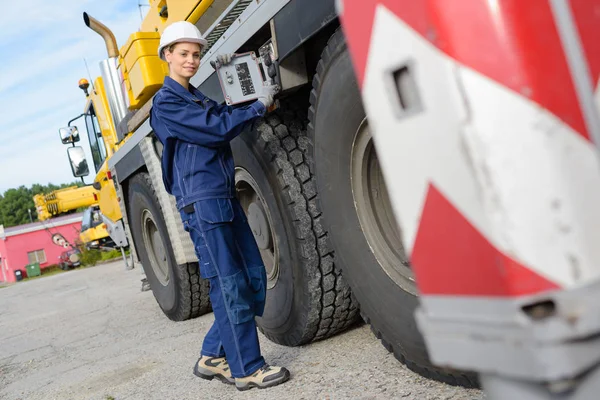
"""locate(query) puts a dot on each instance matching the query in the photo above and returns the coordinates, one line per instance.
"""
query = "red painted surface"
(516, 44)
(14, 249)
(587, 18)
(450, 257)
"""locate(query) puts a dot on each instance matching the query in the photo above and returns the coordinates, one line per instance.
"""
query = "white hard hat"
(181, 31)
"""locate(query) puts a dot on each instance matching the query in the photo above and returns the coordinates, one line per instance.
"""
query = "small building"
(31, 243)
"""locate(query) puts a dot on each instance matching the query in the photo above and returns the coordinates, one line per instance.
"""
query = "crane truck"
(93, 232)
(308, 176)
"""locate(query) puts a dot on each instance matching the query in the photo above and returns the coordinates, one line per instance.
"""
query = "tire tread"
(283, 135)
(193, 290)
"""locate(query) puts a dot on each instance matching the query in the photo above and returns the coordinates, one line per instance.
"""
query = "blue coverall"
(198, 169)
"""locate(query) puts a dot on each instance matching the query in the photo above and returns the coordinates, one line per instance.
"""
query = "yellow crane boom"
(63, 200)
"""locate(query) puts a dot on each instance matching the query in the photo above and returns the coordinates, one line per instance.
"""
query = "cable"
(140, 5)
(90, 75)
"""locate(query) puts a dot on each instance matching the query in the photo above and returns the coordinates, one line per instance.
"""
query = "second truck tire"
(307, 299)
(358, 214)
(179, 290)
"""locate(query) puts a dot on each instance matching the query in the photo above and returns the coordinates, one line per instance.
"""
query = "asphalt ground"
(92, 334)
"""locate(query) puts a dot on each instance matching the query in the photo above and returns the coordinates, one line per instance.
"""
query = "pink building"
(30, 243)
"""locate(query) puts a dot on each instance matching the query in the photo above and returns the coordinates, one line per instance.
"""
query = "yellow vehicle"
(93, 232)
(102, 225)
(307, 175)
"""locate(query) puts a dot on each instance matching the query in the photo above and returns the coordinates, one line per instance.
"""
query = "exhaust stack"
(110, 70)
(102, 30)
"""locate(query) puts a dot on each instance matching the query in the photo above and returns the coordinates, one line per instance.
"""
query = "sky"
(43, 45)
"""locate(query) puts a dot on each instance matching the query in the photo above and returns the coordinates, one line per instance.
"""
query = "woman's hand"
(224, 59)
(266, 96)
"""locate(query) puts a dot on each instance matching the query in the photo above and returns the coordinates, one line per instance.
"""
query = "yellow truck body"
(93, 232)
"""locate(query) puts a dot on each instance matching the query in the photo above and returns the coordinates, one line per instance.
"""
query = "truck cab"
(94, 234)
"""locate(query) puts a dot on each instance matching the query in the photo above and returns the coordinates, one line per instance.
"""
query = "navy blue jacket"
(197, 162)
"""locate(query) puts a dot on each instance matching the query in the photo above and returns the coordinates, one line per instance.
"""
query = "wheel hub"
(374, 210)
(159, 248)
(155, 247)
(260, 221)
(259, 225)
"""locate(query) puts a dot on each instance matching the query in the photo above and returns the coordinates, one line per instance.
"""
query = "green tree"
(15, 203)
(14, 206)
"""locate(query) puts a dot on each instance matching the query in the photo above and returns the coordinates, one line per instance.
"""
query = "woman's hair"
(171, 47)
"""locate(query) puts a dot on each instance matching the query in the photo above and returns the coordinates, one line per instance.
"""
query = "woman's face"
(183, 59)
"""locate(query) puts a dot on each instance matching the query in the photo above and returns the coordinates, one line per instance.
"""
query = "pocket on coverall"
(257, 274)
(258, 282)
(190, 225)
(214, 217)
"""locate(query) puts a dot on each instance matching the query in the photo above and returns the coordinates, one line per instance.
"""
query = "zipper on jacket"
(221, 155)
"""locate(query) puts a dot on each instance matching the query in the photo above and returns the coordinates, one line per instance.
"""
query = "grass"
(90, 258)
(109, 255)
(48, 271)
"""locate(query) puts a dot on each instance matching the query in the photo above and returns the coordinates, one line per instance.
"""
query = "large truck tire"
(178, 289)
(358, 214)
(307, 299)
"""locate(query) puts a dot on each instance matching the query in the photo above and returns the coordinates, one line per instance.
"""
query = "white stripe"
(424, 147)
(523, 178)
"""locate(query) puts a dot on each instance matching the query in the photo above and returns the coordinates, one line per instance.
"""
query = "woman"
(198, 169)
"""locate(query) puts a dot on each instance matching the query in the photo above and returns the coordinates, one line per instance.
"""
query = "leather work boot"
(213, 367)
(264, 377)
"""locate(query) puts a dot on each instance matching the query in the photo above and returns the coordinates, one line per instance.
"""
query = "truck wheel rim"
(374, 210)
(155, 247)
(260, 221)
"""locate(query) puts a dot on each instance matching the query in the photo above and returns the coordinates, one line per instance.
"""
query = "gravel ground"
(91, 334)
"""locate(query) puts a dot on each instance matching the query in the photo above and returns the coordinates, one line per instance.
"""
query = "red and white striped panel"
(495, 182)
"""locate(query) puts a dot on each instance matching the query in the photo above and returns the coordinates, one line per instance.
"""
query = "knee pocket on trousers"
(239, 298)
(207, 269)
(258, 283)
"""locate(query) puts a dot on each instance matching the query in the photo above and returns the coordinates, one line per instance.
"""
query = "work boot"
(264, 377)
(213, 367)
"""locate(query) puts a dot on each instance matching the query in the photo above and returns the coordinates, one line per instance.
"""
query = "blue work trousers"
(229, 258)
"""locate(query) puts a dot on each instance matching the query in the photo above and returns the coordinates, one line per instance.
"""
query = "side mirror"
(79, 164)
(69, 134)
